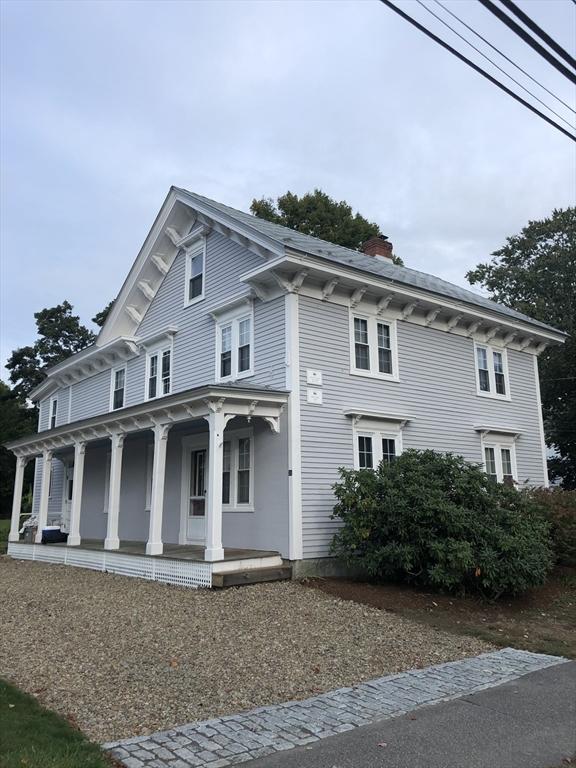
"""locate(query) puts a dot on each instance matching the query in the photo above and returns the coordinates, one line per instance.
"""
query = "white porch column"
(112, 541)
(77, 482)
(154, 545)
(44, 494)
(21, 462)
(214, 549)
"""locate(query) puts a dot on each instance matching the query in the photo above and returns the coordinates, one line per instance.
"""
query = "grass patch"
(4, 531)
(542, 621)
(34, 737)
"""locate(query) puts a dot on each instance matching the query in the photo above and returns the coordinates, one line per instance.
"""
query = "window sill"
(371, 375)
(493, 396)
(191, 303)
(232, 379)
(247, 508)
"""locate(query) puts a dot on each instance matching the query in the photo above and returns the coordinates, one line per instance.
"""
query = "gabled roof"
(293, 240)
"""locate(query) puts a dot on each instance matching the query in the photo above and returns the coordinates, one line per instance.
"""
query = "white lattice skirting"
(183, 573)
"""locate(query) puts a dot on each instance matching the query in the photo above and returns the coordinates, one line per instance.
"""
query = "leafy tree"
(436, 520)
(15, 420)
(317, 214)
(535, 273)
(60, 334)
(100, 317)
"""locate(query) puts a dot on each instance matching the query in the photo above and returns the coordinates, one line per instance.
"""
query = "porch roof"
(196, 403)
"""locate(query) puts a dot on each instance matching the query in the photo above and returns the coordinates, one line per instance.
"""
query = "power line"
(511, 24)
(476, 68)
(498, 51)
(441, 20)
(528, 22)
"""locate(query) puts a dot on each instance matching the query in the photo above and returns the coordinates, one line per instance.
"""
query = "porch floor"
(173, 551)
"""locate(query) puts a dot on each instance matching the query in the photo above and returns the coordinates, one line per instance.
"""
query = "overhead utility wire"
(477, 68)
(498, 51)
(528, 22)
(511, 24)
(496, 65)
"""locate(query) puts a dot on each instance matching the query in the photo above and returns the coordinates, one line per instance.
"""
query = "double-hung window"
(492, 372)
(500, 459)
(159, 373)
(195, 272)
(117, 396)
(375, 443)
(53, 412)
(374, 350)
(234, 347)
(237, 471)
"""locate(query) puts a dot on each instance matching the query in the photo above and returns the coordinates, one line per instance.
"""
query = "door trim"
(189, 443)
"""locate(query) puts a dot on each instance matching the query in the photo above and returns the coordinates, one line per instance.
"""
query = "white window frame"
(233, 319)
(159, 349)
(233, 437)
(192, 250)
(53, 413)
(377, 430)
(372, 323)
(113, 383)
(490, 349)
(498, 442)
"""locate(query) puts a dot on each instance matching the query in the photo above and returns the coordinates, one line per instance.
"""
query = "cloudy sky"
(105, 104)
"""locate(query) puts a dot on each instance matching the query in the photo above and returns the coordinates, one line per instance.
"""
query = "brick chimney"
(378, 246)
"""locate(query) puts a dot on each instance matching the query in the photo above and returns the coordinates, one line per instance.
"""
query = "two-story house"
(241, 365)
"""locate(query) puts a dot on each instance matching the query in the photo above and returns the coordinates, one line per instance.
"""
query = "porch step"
(252, 576)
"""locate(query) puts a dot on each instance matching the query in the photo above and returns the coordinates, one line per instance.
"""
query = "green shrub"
(559, 508)
(436, 520)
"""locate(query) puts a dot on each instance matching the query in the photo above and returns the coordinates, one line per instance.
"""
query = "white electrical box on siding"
(314, 377)
(314, 396)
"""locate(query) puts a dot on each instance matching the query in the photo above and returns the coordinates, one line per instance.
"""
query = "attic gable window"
(195, 273)
(53, 412)
(492, 372)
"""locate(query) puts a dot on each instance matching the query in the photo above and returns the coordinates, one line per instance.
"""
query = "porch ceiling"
(191, 404)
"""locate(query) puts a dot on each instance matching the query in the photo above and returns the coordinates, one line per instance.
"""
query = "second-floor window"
(53, 412)
(118, 388)
(491, 372)
(234, 347)
(159, 376)
(373, 351)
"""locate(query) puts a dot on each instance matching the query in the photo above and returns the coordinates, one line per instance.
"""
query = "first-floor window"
(365, 456)
(159, 378)
(237, 471)
(374, 446)
(243, 495)
(118, 388)
(500, 461)
(226, 468)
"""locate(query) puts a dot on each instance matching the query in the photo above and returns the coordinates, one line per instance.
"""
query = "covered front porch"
(154, 482)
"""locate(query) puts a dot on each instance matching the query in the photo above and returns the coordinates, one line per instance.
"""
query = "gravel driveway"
(123, 657)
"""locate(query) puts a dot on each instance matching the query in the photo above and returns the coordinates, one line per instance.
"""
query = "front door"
(67, 496)
(196, 517)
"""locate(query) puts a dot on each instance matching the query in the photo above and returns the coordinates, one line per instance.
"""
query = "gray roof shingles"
(313, 246)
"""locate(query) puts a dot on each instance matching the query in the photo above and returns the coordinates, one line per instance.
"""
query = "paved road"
(528, 723)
